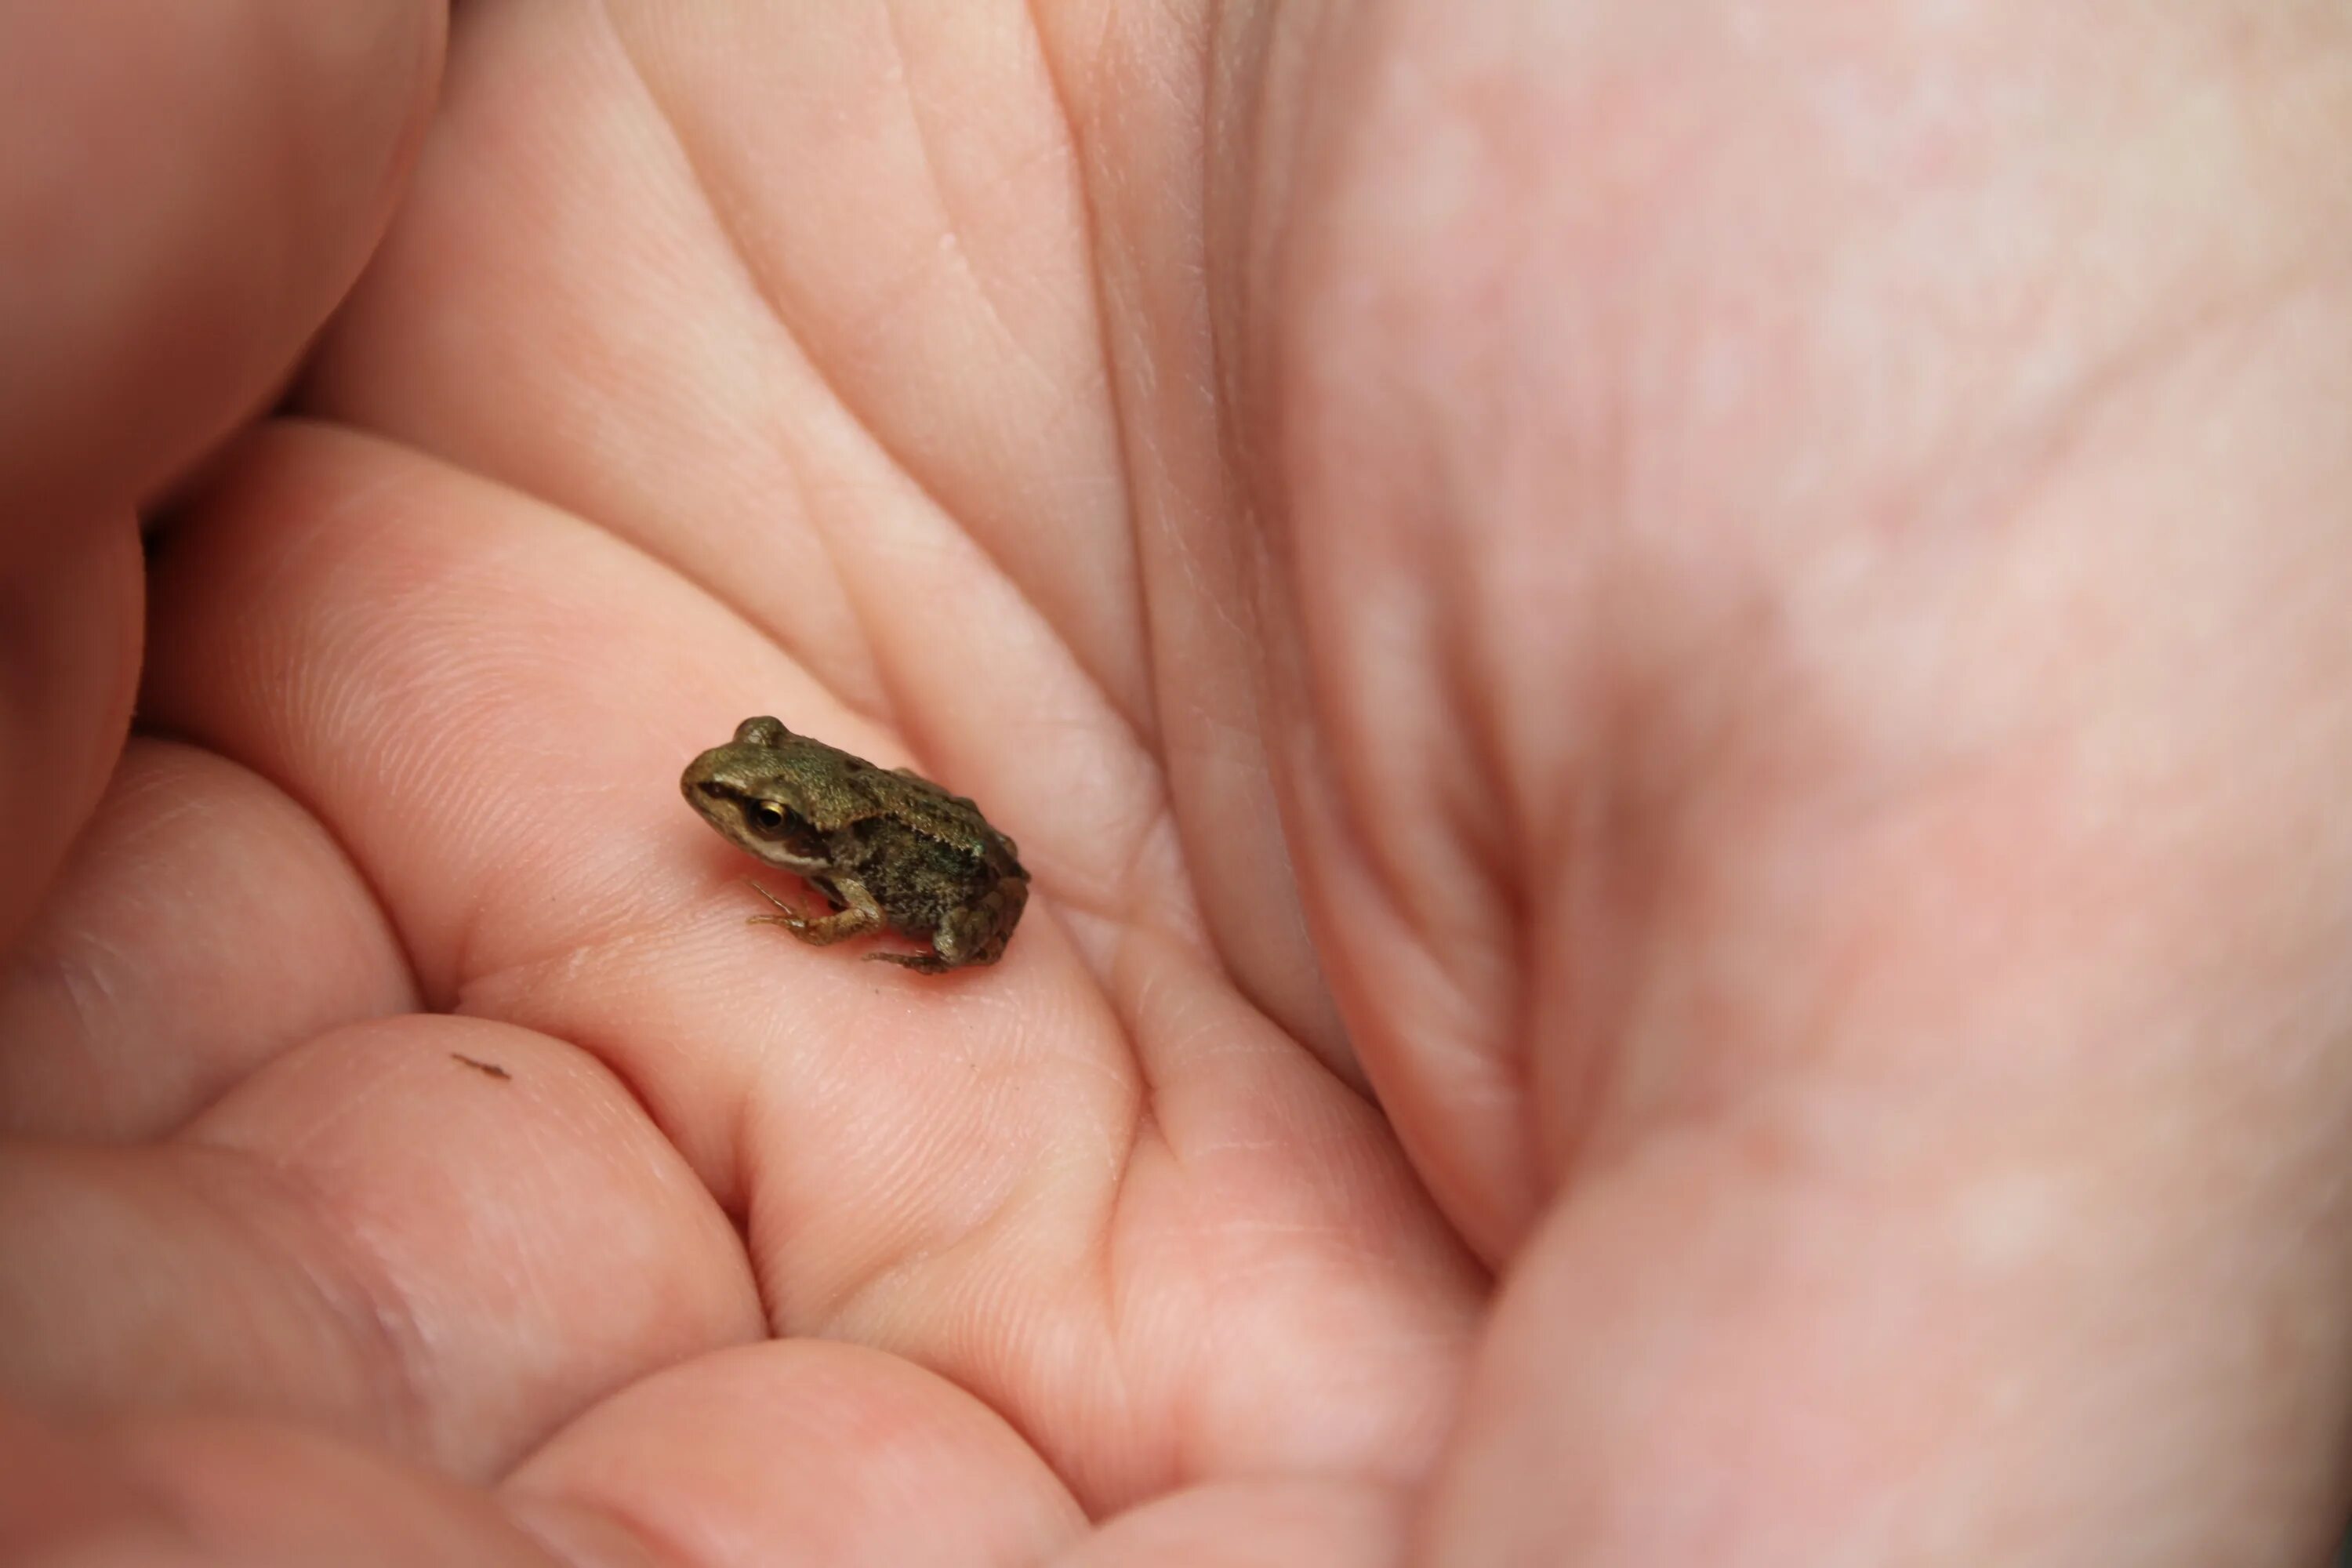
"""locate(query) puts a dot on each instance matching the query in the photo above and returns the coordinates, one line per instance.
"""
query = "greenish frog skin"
(886, 846)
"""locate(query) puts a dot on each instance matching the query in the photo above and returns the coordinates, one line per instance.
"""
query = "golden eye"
(769, 817)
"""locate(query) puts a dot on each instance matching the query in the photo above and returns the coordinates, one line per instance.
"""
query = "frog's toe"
(921, 962)
(791, 914)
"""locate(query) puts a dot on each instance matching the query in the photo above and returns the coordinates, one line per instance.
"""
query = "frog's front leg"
(861, 915)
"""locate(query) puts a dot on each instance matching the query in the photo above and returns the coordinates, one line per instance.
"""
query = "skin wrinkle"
(1497, 1006)
(1181, 561)
(1235, 117)
(1138, 887)
(892, 683)
(1652, 834)
(1001, 1395)
(1482, 820)
(962, 259)
(1360, 826)
(1593, 761)
(1351, 813)
(722, 219)
(1615, 899)
(1118, 1401)
(1571, 935)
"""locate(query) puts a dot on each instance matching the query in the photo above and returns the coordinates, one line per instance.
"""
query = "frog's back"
(952, 819)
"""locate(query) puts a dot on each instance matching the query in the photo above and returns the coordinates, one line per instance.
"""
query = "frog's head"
(770, 793)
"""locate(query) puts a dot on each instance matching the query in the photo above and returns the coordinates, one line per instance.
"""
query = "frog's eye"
(769, 816)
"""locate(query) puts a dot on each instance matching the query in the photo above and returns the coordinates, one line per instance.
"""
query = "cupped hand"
(1693, 666)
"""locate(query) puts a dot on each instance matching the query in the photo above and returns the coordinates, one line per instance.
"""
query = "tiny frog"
(886, 846)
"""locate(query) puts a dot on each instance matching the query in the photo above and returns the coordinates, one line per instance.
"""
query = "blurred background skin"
(1673, 677)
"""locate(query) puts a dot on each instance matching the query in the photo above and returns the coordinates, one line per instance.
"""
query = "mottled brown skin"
(886, 846)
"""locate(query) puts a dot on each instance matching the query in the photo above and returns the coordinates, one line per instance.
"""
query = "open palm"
(1378, 571)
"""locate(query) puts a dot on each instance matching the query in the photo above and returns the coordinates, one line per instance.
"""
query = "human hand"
(1660, 551)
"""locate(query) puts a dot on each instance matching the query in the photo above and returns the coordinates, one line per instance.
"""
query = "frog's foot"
(977, 935)
(823, 930)
(921, 962)
(791, 918)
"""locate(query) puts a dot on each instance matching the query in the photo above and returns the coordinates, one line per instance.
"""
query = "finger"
(803, 1451)
(811, 1452)
(205, 1491)
(190, 190)
(441, 1236)
(204, 924)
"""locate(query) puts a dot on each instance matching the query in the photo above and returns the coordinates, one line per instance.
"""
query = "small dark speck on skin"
(489, 1069)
